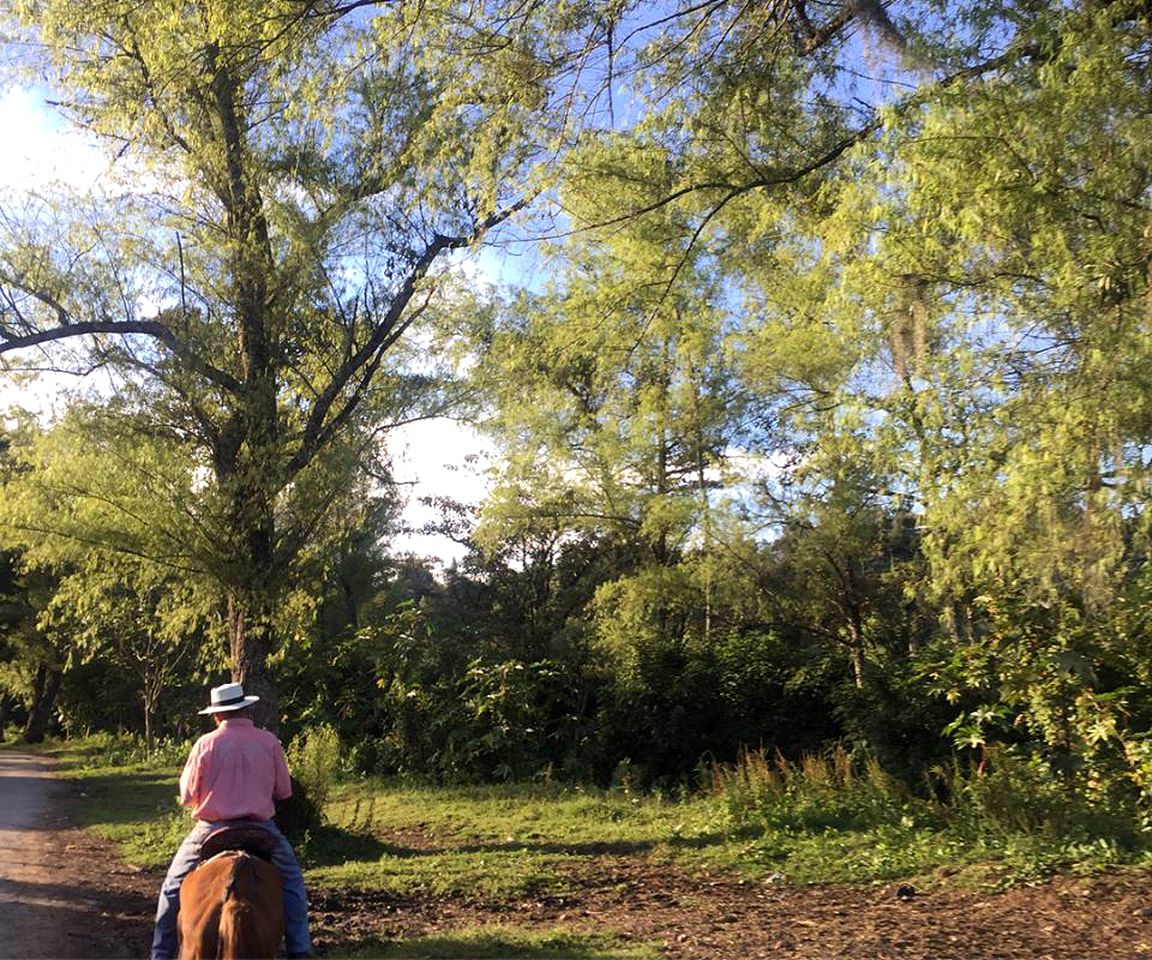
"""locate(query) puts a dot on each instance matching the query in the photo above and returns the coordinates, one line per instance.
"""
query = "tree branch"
(321, 421)
(148, 328)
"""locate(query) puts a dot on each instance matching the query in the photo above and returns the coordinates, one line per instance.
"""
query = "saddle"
(254, 840)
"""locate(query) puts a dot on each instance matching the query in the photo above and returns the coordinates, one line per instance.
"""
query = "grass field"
(508, 840)
(507, 843)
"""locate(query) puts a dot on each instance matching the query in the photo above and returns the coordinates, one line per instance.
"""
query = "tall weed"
(1020, 797)
(828, 812)
(314, 757)
(818, 792)
(107, 750)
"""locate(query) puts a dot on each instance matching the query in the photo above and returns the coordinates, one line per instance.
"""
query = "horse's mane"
(231, 908)
(233, 932)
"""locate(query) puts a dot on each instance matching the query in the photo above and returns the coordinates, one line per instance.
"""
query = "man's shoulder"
(204, 739)
(270, 738)
(202, 745)
(265, 737)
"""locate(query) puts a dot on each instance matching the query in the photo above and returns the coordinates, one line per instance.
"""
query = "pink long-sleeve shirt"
(234, 773)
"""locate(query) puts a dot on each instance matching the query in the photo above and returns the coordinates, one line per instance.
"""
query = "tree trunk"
(856, 646)
(147, 730)
(47, 687)
(250, 639)
(249, 454)
(252, 600)
(858, 665)
(5, 711)
(151, 686)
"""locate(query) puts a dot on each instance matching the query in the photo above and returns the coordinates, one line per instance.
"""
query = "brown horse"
(231, 908)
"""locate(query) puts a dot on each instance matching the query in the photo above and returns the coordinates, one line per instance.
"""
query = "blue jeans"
(296, 934)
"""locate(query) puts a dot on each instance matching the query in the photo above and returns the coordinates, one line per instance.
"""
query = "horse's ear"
(297, 815)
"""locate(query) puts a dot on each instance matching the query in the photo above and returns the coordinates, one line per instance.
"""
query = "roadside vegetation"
(824, 819)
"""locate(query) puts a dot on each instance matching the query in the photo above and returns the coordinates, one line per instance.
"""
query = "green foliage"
(314, 757)
(829, 424)
(490, 722)
(825, 820)
(831, 816)
(816, 793)
(100, 751)
(252, 380)
(1024, 797)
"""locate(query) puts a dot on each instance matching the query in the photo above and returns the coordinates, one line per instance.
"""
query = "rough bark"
(250, 638)
(40, 716)
(247, 463)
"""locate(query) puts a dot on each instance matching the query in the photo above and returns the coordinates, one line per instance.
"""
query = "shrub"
(298, 816)
(1025, 797)
(314, 756)
(104, 750)
(819, 792)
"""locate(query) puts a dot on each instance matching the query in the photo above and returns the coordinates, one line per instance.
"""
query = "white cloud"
(437, 458)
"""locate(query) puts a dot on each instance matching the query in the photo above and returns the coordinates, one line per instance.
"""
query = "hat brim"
(248, 701)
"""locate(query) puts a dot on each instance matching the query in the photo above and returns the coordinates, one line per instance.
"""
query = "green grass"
(500, 841)
(126, 800)
(813, 823)
(504, 942)
(511, 841)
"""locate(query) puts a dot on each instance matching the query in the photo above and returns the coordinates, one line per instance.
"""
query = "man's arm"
(191, 777)
(283, 788)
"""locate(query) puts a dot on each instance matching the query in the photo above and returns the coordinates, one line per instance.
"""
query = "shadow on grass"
(493, 943)
(121, 798)
(606, 848)
(332, 846)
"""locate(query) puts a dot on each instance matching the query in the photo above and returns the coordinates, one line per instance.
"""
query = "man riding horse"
(232, 778)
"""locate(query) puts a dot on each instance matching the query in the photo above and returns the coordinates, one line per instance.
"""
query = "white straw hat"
(229, 696)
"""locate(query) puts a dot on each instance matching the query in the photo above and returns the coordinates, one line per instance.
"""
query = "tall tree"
(612, 397)
(291, 178)
(1029, 256)
(978, 279)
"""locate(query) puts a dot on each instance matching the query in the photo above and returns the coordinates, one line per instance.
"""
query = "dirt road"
(53, 896)
(34, 909)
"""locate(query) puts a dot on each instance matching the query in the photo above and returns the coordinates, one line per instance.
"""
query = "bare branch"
(148, 328)
(321, 421)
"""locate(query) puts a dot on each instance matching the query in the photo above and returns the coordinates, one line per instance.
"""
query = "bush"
(1025, 797)
(102, 750)
(314, 756)
(298, 815)
(1016, 811)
